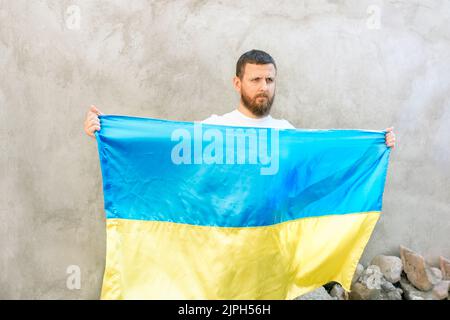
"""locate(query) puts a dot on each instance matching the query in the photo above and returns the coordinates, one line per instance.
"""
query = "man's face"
(257, 87)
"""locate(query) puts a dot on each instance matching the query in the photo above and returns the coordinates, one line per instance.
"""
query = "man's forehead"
(259, 70)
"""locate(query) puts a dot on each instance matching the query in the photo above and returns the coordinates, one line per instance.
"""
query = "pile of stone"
(407, 277)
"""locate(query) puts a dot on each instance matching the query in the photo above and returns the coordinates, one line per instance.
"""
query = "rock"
(361, 292)
(411, 293)
(437, 275)
(440, 290)
(371, 277)
(318, 294)
(338, 292)
(368, 286)
(359, 270)
(389, 291)
(328, 286)
(372, 285)
(416, 270)
(391, 267)
(392, 295)
(387, 286)
(445, 268)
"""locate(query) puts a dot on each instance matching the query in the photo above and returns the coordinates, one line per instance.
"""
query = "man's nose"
(263, 85)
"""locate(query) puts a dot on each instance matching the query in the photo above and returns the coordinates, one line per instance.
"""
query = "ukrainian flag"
(181, 224)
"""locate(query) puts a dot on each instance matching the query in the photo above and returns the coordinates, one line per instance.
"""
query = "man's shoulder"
(220, 119)
(232, 118)
(282, 124)
(212, 119)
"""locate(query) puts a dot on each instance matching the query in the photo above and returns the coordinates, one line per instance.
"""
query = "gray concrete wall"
(342, 64)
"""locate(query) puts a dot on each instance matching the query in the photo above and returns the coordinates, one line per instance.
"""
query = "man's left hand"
(390, 137)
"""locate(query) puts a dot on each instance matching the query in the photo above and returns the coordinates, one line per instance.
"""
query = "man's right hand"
(92, 122)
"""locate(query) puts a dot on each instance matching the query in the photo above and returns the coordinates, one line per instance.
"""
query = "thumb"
(94, 109)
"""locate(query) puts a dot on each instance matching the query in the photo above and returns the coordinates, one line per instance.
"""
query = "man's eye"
(269, 80)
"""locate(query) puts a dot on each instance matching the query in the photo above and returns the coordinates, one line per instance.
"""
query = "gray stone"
(389, 291)
(391, 267)
(393, 295)
(436, 275)
(440, 290)
(445, 268)
(417, 272)
(373, 286)
(338, 292)
(371, 277)
(318, 294)
(361, 292)
(387, 286)
(412, 293)
(368, 286)
(359, 270)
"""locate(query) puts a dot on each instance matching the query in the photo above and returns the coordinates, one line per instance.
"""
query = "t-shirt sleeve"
(288, 125)
(211, 119)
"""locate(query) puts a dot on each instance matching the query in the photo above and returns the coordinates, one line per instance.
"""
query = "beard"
(259, 107)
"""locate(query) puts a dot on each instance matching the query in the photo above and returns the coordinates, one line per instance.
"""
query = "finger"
(95, 110)
(390, 139)
(94, 123)
(390, 143)
(93, 116)
(88, 131)
(90, 114)
(389, 129)
(93, 128)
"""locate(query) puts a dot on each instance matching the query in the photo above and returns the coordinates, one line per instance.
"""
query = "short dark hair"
(254, 57)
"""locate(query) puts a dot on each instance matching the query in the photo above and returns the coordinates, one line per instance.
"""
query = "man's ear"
(237, 84)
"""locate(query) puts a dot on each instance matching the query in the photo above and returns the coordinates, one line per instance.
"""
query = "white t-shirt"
(237, 118)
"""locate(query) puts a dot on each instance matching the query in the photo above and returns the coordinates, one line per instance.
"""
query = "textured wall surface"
(341, 64)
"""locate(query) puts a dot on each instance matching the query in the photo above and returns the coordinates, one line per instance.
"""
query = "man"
(255, 82)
